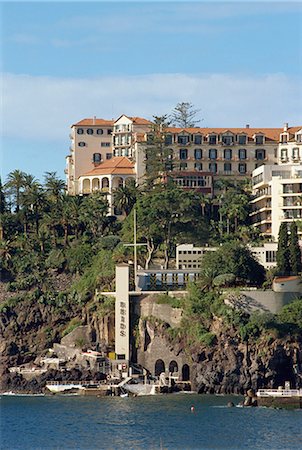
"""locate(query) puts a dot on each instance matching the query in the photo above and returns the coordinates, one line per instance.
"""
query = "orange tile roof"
(140, 121)
(94, 122)
(270, 133)
(286, 278)
(119, 165)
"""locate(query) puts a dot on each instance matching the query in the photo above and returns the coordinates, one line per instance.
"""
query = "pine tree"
(183, 115)
(158, 155)
(283, 254)
(294, 249)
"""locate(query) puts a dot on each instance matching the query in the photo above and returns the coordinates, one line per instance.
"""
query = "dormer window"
(183, 140)
(197, 139)
(212, 139)
(259, 139)
(284, 138)
(242, 139)
(227, 140)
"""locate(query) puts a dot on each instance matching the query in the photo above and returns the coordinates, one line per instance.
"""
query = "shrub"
(73, 324)
(165, 299)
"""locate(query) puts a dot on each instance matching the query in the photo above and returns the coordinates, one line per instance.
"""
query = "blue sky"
(239, 62)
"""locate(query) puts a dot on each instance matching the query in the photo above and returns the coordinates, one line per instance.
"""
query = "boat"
(280, 398)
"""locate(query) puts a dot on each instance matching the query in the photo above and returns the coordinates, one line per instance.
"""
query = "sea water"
(157, 422)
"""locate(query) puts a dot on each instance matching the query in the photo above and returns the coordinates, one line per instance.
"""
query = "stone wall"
(267, 301)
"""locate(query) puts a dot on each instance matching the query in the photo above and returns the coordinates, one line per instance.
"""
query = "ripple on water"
(144, 422)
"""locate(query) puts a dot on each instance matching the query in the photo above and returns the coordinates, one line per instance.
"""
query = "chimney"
(285, 128)
(247, 125)
(93, 120)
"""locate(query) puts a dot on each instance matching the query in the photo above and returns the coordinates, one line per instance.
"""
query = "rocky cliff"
(228, 365)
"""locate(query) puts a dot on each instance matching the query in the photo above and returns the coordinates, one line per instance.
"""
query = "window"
(259, 139)
(168, 139)
(242, 168)
(227, 140)
(89, 131)
(80, 131)
(271, 256)
(198, 153)
(105, 144)
(228, 154)
(227, 167)
(97, 158)
(284, 138)
(183, 153)
(108, 155)
(213, 167)
(183, 140)
(109, 131)
(212, 139)
(197, 139)
(299, 137)
(212, 153)
(295, 153)
(242, 153)
(260, 154)
(198, 166)
(241, 139)
(183, 166)
(284, 154)
(82, 144)
(99, 131)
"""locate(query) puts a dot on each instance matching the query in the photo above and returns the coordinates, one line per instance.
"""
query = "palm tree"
(54, 187)
(125, 197)
(14, 185)
(34, 201)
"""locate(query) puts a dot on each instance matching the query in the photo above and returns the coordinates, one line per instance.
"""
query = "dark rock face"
(236, 368)
(16, 383)
(230, 366)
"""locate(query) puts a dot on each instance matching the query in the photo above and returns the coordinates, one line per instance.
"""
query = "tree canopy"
(184, 115)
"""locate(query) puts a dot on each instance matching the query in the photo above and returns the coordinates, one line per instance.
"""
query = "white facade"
(290, 147)
(122, 324)
(277, 193)
(190, 257)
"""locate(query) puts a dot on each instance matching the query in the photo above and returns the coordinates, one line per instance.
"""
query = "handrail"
(279, 393)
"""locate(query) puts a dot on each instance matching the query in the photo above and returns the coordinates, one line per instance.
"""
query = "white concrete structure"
(122, 319)
(190, 257)
(277, 193)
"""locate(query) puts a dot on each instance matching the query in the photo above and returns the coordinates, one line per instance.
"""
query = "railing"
(66, 383)
(279, 393)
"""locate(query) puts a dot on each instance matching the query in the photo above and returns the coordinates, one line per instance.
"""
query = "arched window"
(159, 367)
(173, 367)
(105, 183)
(185, 372)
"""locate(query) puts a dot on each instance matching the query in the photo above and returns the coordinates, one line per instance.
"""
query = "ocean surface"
(159, 422)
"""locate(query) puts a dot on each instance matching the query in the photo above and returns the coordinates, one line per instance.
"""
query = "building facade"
(189, 257)
(197, 156)
(277, 193)
(91, 145)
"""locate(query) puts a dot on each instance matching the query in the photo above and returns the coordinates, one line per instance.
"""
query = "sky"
(238, 62)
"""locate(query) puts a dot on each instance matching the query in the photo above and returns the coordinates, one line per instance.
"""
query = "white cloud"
(43, 108)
